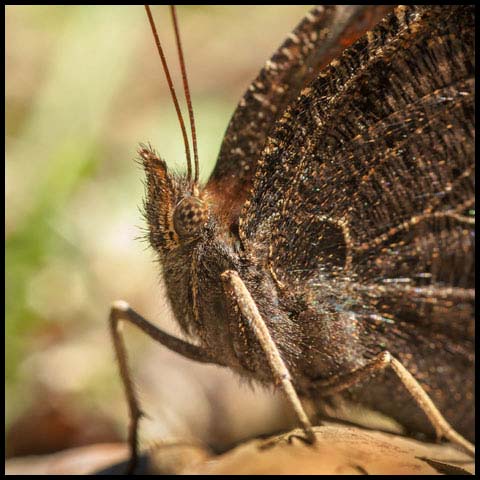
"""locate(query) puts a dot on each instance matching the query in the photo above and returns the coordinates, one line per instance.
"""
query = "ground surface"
(339, 450)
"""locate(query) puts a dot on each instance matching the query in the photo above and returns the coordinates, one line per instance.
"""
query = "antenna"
(186, 90)
(172, 91)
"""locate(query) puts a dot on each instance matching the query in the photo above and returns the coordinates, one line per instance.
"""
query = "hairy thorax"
(204, 311)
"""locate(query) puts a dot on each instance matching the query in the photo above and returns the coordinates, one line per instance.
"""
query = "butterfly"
(331, 252)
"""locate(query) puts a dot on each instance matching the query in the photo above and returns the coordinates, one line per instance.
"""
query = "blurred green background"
(83, 87)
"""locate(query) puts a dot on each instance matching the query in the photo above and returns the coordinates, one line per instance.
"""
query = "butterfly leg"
(379, 363)
(121, 311)
(235, 287)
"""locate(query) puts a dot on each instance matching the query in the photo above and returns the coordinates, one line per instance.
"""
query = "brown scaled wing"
(364, 199)
(320, 37)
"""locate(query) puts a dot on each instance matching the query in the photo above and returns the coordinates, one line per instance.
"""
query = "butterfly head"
(175, 209)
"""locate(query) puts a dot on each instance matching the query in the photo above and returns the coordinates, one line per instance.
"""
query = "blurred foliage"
(83, 87)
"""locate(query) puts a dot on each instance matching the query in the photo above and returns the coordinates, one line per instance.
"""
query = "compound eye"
(189, 217)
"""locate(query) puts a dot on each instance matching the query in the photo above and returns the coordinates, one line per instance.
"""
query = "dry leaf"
(339, 449)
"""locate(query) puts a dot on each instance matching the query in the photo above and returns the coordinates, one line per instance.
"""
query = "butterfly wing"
(321, 36)
(363, 201)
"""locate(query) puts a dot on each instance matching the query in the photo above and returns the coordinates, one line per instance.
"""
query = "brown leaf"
(339, 450)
